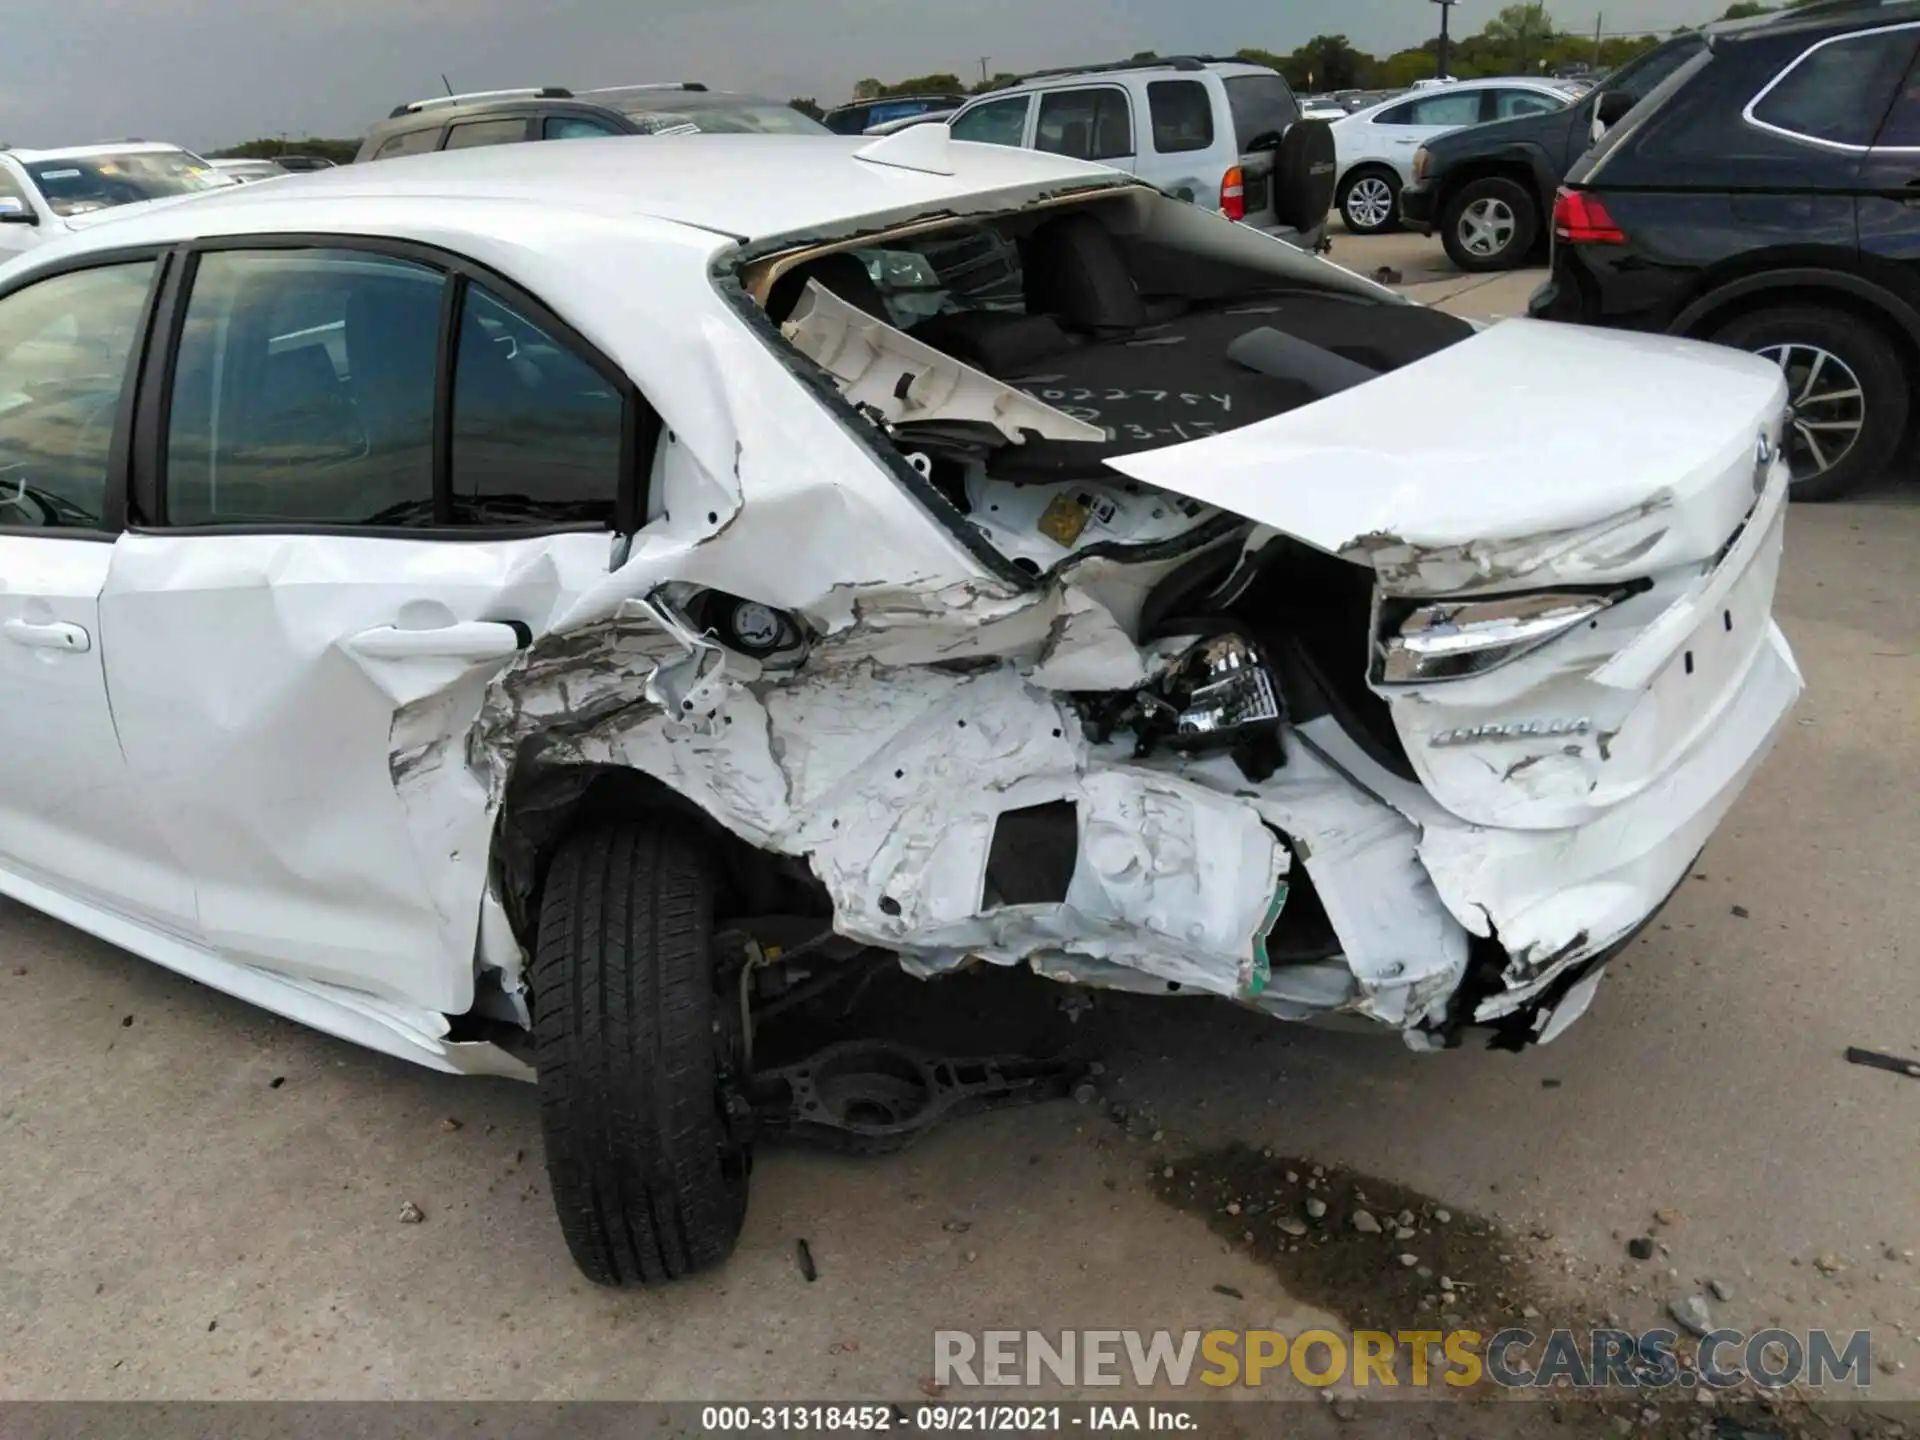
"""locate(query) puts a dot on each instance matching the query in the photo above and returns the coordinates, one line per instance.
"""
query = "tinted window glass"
(575, 127)
(1902, 130)
(64, 346)
(1839, 92)
(1639, 77)
(1513, 103)
(998, 122)
(1452, 108)
(1182, 115)
(536, 430)
(486, 132)
(1086, 124)
(1261, 105)
(81, 184)
(303, 391)
(409, 142)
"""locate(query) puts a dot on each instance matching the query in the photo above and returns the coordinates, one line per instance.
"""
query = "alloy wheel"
(1370, 202)
(1487, 227)
(1828, 409)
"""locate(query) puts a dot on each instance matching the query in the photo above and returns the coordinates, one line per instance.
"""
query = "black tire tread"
(1526, 211)
(623, 1011)
(1872, 356)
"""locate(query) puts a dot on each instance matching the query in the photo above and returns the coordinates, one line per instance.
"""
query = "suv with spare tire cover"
(1764, 197)
(1488, 189)
(1227, 135)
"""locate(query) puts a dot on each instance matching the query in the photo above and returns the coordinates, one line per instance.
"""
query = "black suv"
(1767, 196)
(1489, 189)
(507, 117)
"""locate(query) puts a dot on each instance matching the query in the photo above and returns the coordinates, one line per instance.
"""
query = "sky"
(206, 75)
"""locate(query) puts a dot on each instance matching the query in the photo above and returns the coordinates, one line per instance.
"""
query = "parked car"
(1761, 197)
(1374, 148)
(541, 659)
(861, 117)
(1322, 107)
(248, 171)
(905, 122)
(1489, 190)
(508, 117)
(1224, 134)
(43, 193)
(300, 164)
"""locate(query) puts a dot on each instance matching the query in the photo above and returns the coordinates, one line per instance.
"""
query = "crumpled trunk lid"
(1540, 458)
(1520, 454)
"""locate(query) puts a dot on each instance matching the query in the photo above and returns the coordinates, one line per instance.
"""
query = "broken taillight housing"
(1581, 219)
(1218, 694)
(1233, 194)
(1456, 639)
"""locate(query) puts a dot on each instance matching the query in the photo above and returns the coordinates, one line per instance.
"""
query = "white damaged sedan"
(520, 609)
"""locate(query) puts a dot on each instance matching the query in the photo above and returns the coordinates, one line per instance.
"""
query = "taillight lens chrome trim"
(1459, 639)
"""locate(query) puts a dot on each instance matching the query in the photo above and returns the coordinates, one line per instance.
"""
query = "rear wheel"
(1490, 224)
(1370, 202)
(646, 1183)
(1847, 387)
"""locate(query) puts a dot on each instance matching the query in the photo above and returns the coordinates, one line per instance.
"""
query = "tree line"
(1520, 40)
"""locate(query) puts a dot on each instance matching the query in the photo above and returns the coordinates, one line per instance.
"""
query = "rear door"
(1889, 186)
(366, 477)
(1400, 130)
(1184, 151)
(1092, 122)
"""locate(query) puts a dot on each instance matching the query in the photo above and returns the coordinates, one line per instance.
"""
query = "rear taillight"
(1233, 194)
(1580, 219)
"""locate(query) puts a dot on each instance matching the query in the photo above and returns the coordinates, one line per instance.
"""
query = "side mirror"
(14, 211)
(1612, 107)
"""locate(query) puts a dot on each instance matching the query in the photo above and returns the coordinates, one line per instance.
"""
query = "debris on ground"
(1740, 913)
(1722, 1291)
(1827, 1264)
(411, 1214)
(1640, 1247)
(1692, 1314)
(1364, 1222)
(1874, 1060)
(1228, 1291)
(1388, 275)
(1316, 1208)
(957, 1227)
(804, 1253)
(450, 1124)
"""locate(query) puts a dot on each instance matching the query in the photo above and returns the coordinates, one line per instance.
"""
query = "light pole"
(1446, 10)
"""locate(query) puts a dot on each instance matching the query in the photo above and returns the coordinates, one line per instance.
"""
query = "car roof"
(1838, 16)
(84, 152)
(651, 97)
(746, 186)
(1192, 65)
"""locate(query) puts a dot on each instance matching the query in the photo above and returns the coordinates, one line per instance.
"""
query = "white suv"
(43, 193)
(1224, 134)
(561, 652)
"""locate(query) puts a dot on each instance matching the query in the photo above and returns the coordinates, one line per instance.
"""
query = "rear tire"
(1490, 224)
(1859, 358)
(646, 1184)
(1369, 201)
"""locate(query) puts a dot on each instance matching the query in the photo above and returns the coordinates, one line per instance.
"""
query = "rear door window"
(486, 132)
(409, 142)
(1091, 124)
(1182, 112)
(1453, 108)
(1902, 128)
(1838, 92)
(575, 127)
(1510, 104)
(1262, 105)
(303, 391)
(998, 122)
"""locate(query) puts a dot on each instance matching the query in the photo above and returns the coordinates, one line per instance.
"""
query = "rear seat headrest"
(1075, 270)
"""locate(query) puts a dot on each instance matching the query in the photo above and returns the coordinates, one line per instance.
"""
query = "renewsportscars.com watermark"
(1458, 1359)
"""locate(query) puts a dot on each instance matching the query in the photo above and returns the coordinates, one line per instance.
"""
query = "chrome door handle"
(55, 635)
